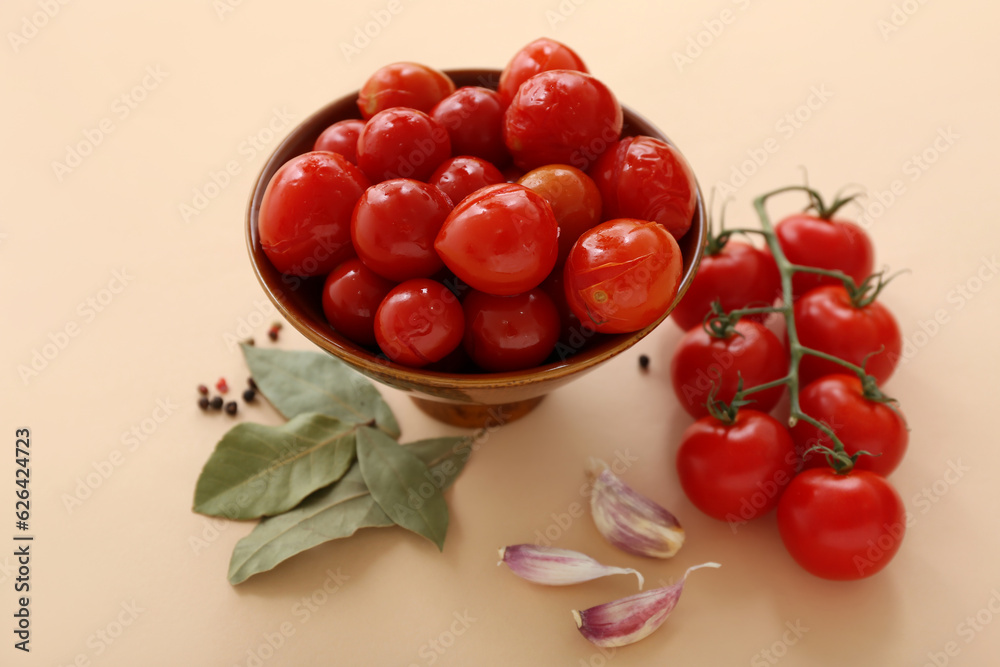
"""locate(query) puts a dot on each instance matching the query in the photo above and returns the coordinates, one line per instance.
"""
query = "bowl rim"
(379, 365)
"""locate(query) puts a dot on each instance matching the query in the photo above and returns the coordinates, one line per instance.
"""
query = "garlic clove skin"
(629, 520)
(557, 567)
(626, 621)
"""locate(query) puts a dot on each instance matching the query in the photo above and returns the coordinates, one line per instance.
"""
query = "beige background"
(227, 75)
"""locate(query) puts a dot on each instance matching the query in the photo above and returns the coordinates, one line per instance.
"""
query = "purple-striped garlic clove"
(630, 619)
(557, 567)
(629, 520)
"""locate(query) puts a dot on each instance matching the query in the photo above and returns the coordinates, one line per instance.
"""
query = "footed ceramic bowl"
(470, 399)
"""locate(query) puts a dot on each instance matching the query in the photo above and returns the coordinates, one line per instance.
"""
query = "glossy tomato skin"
(573, 197)
(352, 294)
(401, 143)
(841, 527)
(622, 275)
(825, 244)
(642, 177)
(736, 472)
(403, 85)
(394, 226)
(341, 137)
(827, 321)
(419, 322)
(540, 55)
(305, 214)
(753, 353)
(510, 333)
(738, 276)
(473, 117)
(502, 239)
(561, 117)
(861, 424)
(459, 177)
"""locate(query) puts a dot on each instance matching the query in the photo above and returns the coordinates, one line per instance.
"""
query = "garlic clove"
(629, 520)
(557, 567)
(630, 619)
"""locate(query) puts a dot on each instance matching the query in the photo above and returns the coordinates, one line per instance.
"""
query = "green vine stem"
(836, 455)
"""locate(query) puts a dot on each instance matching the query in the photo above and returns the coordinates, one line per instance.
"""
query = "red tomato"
(473, 118)
(622, 275)
(861, 424)
(402, 143)
(573, 197)
(403, 85)
(510, 333)
(459, 177)
(341, 137)
(351, 295)
(827, 321)
(841, 527)
(540, 55)
(736, 472)
(738, 276)
(394, 226)
(305, 214)
(501, 240)
(561, 117)
(753, 353)
(642, 177)
(824, 244)
(419, 322)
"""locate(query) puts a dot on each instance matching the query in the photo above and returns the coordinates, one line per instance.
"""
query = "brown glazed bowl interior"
(459, 399)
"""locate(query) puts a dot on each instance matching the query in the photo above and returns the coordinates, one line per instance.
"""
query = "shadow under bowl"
(467, 400)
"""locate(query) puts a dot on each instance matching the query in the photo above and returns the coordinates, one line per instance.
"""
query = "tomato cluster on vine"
(473, 228)
(835, 347)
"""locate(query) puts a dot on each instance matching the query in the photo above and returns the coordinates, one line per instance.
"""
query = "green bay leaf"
(296, 382)
(402, 485)
(259, 470)
(335, 512)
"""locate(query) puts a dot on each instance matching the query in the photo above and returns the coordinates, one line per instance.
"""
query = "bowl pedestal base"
(469, 415)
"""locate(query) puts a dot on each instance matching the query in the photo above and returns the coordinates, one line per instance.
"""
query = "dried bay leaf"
(259, 470)
(401, 485)
(296, 382)
(337, 511)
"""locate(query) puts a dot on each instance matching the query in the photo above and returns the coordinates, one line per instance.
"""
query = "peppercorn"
(222, 386)
(249, 395)
(251, 383)
(231, 408)
(203, 402)
(217, 403)
(643, 362)
(203, 390)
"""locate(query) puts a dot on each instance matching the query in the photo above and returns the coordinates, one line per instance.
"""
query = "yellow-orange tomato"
(574, 199)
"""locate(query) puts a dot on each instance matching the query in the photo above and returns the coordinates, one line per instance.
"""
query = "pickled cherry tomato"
(459, 177)
(502, 239)
(419, 322)
(509, 333)
(645, 178)
(394, 226)
(622, 275)
(573, 197)
(401, 143)
(540, 55)
(403, 85)
(305, 214)
(561, 117)
(351, 296)
(473, 117)
(341, 137)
